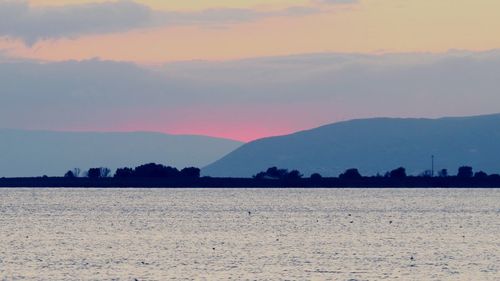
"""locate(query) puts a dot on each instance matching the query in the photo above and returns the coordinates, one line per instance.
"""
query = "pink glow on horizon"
(219, 131)
(235, 124)
(242, 124)
(244, 131)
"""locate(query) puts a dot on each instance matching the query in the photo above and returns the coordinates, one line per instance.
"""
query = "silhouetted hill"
(36, 153)
(374, 146)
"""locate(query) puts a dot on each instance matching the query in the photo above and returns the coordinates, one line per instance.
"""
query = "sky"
(243, 69)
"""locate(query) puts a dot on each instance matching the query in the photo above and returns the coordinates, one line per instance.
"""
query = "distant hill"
(374, 146)
(36, 153)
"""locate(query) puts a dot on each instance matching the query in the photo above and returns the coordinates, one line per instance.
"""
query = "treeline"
(464, 172)
(151, 170)
(157, 175)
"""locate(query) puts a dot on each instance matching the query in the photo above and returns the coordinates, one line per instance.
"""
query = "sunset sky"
(243, 69)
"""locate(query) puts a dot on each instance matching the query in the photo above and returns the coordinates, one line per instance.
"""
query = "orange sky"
(376, 26)
(187, 4)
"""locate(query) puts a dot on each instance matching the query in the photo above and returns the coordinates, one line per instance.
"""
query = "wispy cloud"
(33, 23)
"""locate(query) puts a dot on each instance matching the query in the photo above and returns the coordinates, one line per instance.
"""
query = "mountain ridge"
(409, 141)
(44, 152)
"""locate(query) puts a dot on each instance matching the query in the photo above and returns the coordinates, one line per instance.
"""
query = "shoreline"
(208, 182)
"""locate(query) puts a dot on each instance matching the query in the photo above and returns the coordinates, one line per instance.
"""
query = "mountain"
(36, 153)
(374, 146)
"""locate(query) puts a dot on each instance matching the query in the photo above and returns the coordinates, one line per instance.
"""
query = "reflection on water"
(249, 234)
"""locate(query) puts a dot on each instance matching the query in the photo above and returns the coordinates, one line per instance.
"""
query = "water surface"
(249, 234)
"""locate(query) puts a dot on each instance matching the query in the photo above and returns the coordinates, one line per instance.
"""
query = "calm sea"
(249, 234)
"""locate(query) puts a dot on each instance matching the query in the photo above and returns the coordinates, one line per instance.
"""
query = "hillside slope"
(374, 146)
(36, 153)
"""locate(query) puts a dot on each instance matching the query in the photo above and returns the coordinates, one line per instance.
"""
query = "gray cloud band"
(63, 94)
(20, 20)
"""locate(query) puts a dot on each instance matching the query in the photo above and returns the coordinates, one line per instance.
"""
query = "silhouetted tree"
(69, 174)
(494, 176)
(124, 173)
(398, 173)
(465, 172)
(443, 173)
(271, 173)
(260, 175)
(190, 173)
(280, 174)
(350, 174)
(481, 175)
(276, 173)
(316, 176)
(153, 170)
(94, 173)
(293, 175)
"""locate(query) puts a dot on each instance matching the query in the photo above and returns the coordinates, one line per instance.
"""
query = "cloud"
(18, 19)
(269, 94)
(33, 23)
